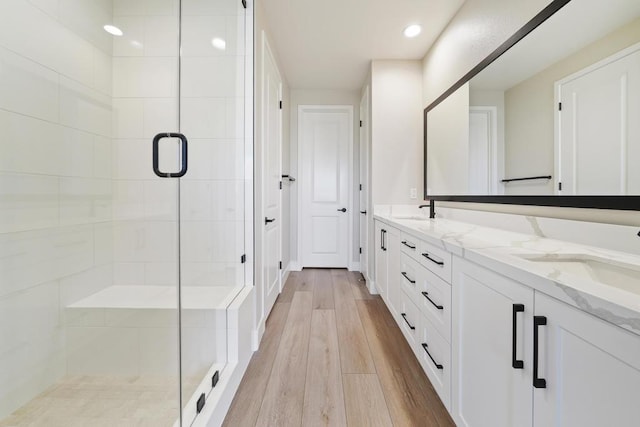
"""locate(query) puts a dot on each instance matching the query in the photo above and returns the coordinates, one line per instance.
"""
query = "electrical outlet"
(413, 193)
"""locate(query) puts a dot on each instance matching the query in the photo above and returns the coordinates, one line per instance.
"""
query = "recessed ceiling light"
(412, 30)
(219, 43)
(113, 30)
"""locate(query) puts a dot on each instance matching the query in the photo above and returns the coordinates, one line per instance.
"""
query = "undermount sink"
(416, 217)
(617, 274)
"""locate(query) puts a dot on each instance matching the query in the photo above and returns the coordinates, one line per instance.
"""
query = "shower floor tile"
(107, 401)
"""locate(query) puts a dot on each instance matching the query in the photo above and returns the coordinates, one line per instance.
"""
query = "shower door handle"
(156, 155)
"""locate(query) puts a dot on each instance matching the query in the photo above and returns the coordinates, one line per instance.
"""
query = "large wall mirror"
(552, 117)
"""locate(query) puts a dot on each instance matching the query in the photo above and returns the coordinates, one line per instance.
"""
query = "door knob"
(268, 220)
(342, 210)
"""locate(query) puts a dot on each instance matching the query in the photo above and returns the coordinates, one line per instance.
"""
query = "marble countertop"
(499, 250)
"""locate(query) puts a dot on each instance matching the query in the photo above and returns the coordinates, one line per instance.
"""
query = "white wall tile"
(196, 202)
(199, 31)
(86, 19)
(27, 87)
(78, 286)
(145, 77)
(85, 200)
(102, 72)
(158, 349)
(208, 7)
(160, 115)
(102, 157)
(209, 77)
(50, 7)
(29, 145)
(128, 118)
(128, 199)
(71, 250)
(145, 7)
(204, 117)
(161, 273)
(75, 57)
(161, 199)
(28, 202)
(76, 150)
(102, 351)
(145, 241)
(131, 43)
(161, 36)
(103, 243)
(132, 159)
(84, 108)
(128, 273)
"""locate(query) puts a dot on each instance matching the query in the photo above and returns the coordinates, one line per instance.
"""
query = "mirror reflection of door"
(597, 130)
(482, 149)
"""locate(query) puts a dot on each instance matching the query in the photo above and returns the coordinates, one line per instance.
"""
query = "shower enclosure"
(122, 207)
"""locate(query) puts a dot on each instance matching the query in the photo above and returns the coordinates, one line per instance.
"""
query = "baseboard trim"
(295, 266)
(354, 266)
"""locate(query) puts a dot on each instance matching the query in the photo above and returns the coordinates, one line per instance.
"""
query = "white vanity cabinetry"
(499, 351)
(387, 252)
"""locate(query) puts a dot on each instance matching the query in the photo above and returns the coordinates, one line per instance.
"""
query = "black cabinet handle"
(404, 316)
(425, 346)
(426, 255)
(342, 210)
(537, 321)
(363, 212)
(408, 245)
(384, 240)
(426, 295)
(156, 155)
(268, 220)
(407, 277)
(515, 363)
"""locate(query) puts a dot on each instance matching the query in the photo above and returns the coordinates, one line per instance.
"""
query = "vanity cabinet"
(552, 365)
(387, 253)
(591, 369)
(492, 345)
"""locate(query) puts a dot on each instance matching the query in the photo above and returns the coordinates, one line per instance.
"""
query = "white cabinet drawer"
(409, 320)
(434, 354)
(434, 301)
(436, 260)
(409, 276)
(410, 245)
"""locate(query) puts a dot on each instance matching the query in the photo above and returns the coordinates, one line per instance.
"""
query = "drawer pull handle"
(439, 366)
(407, 277)
(426, 295)
(404, 316)
(515, 363)
(537, 322)
(408, 245)
(426, 255)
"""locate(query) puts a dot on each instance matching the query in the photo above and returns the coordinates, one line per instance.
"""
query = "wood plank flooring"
(332, 355)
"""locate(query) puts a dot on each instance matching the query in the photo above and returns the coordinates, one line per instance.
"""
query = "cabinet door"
(591, 369)
(381, 261)
(394, 276)
(487, 390)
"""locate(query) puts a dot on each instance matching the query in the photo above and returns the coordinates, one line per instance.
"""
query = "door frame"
(363, 171)
(491, 111)
(264, 312)
(350, 202)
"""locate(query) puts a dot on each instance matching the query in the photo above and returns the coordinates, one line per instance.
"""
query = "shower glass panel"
(114, 281)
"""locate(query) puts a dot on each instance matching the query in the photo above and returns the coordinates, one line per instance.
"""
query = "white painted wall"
(396, 131)
(322, 97)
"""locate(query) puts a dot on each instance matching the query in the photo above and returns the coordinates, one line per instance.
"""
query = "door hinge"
(281, 185)
(243, 259)
(559, 106)
(281, 105)
(280, 265)
(360, 250)
(214, 379)
(360, 187)
(200, 404)
(559, 186)
(360, 123)
(244, 3)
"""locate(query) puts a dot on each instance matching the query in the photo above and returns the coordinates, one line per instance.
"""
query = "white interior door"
(598, 128)
(364, 164)
(482, 150)
(325, 140)
(271, 176)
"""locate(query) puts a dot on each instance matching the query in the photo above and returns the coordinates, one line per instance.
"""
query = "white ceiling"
(329, 44)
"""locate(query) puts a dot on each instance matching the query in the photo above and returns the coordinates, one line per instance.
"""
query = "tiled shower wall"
(55, 181)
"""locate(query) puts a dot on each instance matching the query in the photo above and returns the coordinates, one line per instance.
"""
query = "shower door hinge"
(244, 3)
(280, 265)
(281, 105)
(200, 403)
(214, 379)
(243, 259)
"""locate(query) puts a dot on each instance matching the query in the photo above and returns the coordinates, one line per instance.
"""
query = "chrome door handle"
(342, 210)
